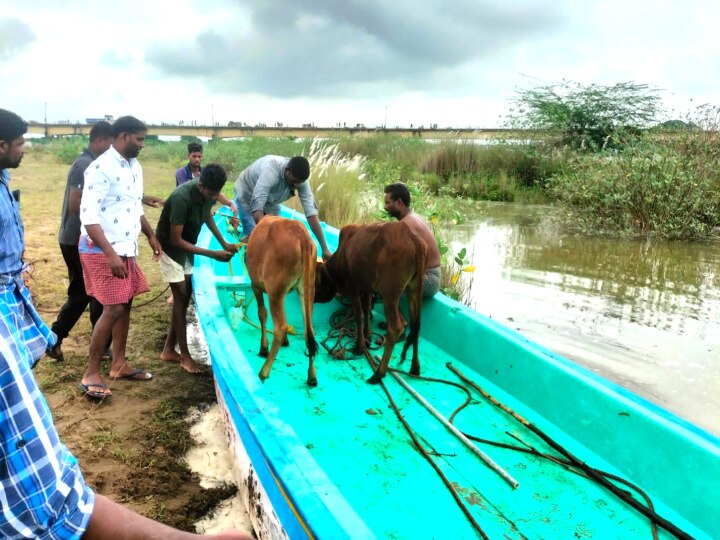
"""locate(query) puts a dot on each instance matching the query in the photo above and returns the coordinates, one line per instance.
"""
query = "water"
(644, 314)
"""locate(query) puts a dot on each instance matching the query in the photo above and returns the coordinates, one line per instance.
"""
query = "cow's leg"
(280, 327)
(360, 343)
(262, 316)
(414, 296)
(367, 308)
(310, 343)
(394, 330)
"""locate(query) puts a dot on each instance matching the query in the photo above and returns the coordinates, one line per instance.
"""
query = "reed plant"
(338, 184)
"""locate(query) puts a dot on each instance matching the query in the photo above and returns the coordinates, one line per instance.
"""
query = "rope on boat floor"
(600, 477)
(571, 463)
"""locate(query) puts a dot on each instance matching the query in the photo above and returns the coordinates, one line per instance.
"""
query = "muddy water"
(645, 314)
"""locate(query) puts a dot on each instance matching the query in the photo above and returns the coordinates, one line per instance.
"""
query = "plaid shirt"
(12, 242)
(42, 492)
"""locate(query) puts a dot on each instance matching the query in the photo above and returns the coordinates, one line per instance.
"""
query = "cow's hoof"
(312, 382)
(263, 353)
(286, 343)
(262, 377)
(375, 379)
(415, 371)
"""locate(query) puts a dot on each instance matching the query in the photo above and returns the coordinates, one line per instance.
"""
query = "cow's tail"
(309, 257)
(415, 295)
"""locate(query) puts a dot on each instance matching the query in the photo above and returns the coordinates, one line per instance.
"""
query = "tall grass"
(338, 184)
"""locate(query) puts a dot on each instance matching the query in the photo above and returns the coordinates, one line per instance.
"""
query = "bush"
(667, 187)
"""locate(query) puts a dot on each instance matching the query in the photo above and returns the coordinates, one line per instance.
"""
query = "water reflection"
(645, 313)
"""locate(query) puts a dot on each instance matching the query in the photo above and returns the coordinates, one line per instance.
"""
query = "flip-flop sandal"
(93, 395)
(135, 375)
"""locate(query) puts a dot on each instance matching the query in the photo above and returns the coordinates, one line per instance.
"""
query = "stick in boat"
(482, 455)
(590, 471)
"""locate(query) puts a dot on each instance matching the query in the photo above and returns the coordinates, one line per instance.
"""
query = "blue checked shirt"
(12, 242)
(42, 492)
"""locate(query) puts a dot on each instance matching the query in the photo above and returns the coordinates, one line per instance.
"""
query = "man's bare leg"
(177, 332)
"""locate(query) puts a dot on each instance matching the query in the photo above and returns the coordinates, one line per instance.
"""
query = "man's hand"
(222, 255)
(157, 249)
(151, 200)
(230, 247)
(326, 254)
(117, 266)
(234, 209)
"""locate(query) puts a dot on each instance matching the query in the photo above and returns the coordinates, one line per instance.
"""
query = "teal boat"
(500, 438)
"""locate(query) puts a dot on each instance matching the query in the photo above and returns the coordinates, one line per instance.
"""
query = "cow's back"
(377, 256)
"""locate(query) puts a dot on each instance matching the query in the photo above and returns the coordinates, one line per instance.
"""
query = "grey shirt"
(69, 222)
(262, 186)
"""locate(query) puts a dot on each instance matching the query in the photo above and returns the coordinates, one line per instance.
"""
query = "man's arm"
(112, 520)
(74, 200)
(152, 239)
(228, 202)
(316, 228)
(151, 200)
(178, 241)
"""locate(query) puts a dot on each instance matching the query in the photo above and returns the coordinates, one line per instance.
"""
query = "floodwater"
(642, 313)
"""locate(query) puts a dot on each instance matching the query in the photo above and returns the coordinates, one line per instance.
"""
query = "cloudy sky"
(455, 63)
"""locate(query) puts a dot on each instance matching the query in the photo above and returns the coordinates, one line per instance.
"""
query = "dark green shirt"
(187, 207)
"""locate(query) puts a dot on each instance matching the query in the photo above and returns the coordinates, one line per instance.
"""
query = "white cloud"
(455, 64)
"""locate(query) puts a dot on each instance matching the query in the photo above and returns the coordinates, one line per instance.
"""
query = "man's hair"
(127, 124)
(299, 167)
(11, 126)
(398, 190)
(194, 147)
(213, 177)
(101, 130)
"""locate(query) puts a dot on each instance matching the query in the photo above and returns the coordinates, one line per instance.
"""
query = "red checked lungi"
(106, 288)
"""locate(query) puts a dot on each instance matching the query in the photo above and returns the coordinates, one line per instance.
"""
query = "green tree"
(590, 117)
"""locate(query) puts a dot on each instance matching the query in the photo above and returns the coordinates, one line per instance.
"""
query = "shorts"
(431, 282)
(171, 271)
(106, 288)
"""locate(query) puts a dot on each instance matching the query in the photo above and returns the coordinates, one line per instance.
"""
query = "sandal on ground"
(94, 395)
(134, 375)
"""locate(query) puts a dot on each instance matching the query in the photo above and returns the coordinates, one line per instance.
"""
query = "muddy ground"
(131, 447)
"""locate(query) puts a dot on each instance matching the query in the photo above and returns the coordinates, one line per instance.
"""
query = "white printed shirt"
(112, 198)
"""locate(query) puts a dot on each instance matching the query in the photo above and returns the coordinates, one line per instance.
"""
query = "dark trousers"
(77, 298)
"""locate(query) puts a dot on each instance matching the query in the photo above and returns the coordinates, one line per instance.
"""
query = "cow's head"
(325, 287)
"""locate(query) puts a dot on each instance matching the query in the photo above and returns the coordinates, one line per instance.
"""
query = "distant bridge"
(225, 132)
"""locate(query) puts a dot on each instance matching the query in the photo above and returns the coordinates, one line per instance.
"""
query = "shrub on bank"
(665, 187)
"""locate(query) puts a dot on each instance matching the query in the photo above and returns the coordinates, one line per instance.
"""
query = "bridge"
(226, 132)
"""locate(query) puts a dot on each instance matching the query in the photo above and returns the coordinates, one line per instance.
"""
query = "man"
(271, 180)
(112, 217)
(185, 211)
(193, 169)
(397, 204)
(101, 137)
(43, 491)
(16, 308)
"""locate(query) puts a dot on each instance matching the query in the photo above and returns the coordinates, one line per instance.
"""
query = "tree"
(590, 117)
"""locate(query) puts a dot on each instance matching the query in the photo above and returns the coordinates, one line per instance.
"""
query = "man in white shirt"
(112, 217)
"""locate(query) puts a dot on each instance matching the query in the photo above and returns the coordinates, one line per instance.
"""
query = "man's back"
(422, 229)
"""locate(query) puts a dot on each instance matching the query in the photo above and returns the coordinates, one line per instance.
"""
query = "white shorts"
(172, 272)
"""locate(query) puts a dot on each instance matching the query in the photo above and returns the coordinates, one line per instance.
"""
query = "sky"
(454, 63)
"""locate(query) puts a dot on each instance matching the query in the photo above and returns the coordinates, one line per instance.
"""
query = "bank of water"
(643, 313)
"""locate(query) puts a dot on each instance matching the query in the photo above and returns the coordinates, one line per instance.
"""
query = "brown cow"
(280, 256)
(383, 258)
